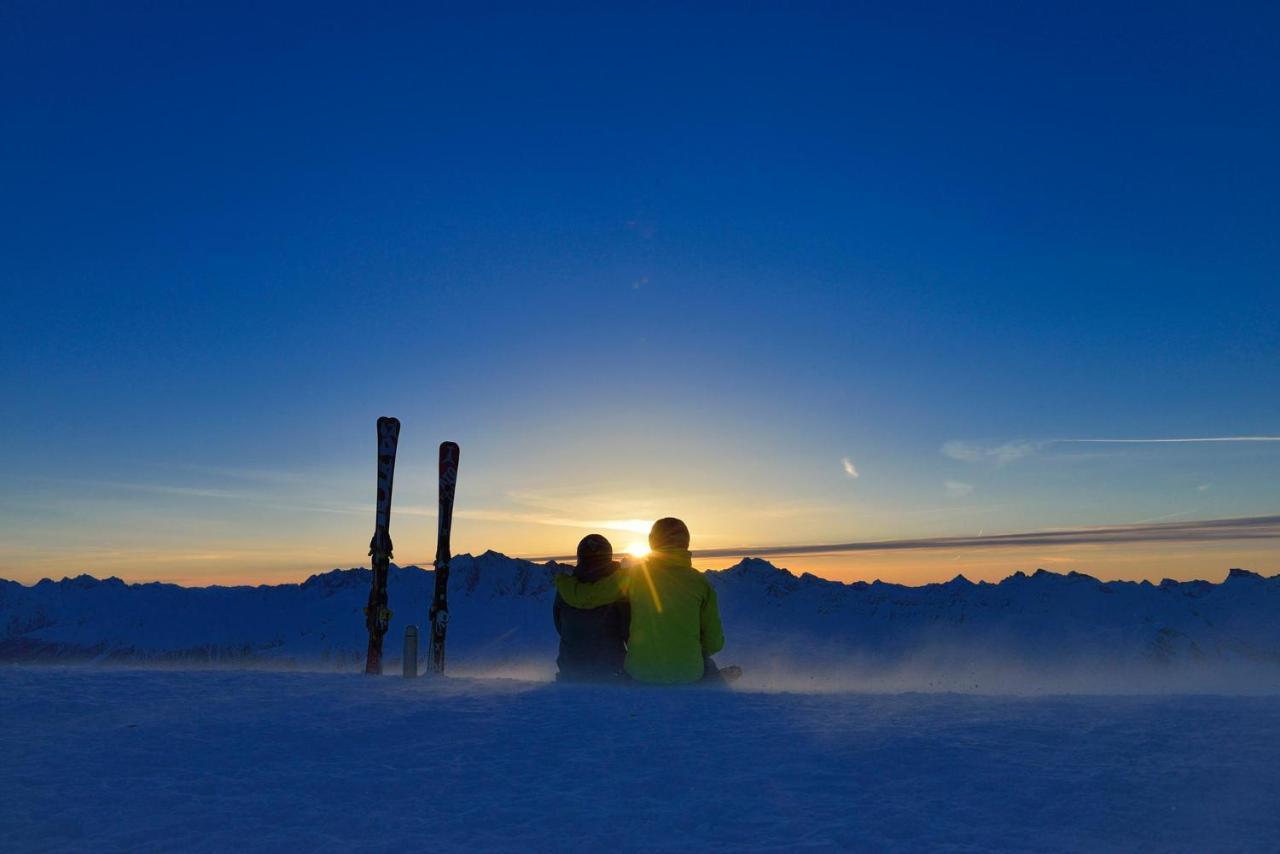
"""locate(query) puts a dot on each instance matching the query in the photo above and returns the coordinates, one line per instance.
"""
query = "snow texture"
(1034, 632)
(153, 760)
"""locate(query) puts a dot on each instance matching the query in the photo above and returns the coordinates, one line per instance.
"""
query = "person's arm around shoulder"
(712, 631)
(624, 618)
(555, 612)
(578, 594)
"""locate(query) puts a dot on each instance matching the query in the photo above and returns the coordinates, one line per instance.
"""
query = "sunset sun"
(638, 549)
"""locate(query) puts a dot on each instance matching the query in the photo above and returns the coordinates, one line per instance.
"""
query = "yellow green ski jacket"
(675, 619)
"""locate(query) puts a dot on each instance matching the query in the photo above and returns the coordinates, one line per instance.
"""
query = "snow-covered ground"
(1055, 712)
(107, 759)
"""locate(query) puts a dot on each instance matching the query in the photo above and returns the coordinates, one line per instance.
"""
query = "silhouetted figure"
(592, 639)
(675, 618)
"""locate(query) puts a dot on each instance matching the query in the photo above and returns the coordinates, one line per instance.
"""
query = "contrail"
(1196, 531)
(1158, 441)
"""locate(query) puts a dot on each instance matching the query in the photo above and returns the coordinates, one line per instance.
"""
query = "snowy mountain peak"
(501, 611)
(775, 581)
(337, 579)
(757, 567)
(808, 578)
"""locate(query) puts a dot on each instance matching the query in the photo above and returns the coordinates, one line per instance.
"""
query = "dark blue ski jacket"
(593, 641)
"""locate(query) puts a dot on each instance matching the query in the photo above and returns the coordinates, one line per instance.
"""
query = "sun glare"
(638, 549)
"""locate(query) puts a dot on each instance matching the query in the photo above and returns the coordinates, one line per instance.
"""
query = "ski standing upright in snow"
(438, 615)
(376, 613)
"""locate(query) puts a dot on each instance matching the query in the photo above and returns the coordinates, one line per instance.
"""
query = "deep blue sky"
(640, 261)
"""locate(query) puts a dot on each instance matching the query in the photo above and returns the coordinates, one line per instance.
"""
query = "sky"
(829, 274)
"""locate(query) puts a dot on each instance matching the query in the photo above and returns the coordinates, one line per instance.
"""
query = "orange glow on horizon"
(284, 563)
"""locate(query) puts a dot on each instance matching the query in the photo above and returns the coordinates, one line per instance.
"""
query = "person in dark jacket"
(593, 641)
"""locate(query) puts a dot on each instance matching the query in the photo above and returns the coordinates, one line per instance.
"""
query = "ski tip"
(388, 429)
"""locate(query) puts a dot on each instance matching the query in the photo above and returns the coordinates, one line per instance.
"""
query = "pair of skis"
(377, 615)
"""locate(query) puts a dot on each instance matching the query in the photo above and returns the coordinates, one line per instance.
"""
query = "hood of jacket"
(589, 571)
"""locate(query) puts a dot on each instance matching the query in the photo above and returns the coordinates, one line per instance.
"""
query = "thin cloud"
(849, 468)
(1162, 518)
(635, 526)
(163, 489)
(1001, 454)
(240, 497)
(593, 501)
(426, 511)
(1168, 441)
(957, 489)
(1007, 452)
(1197, 531)
(257, 475)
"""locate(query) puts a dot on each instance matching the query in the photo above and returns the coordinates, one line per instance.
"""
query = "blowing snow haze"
(1027, 633)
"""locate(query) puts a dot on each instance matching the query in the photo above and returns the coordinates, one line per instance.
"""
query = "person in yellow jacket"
(675, 619)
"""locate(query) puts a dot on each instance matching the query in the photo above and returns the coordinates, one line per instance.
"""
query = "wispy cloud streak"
(1001, 454)
(1191, 440)
(1198, 531)
(1007, 452)
(1194, 531)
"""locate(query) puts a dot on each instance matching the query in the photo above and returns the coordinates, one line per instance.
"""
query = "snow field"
(153, 760)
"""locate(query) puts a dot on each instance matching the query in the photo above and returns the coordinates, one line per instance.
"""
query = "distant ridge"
(501, 615)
